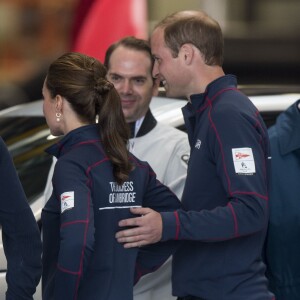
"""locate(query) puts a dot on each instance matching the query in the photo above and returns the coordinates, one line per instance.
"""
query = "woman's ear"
(58, 103)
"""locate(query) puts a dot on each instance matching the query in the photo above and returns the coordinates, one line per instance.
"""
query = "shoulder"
(168, 132)
(162, 134)
(233, 112)
(70, 165)
(171, 139)
(141, 165)
(64, 165)
(233, 102)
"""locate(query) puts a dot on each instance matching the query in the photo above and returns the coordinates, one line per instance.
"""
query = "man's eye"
(115, 78)
(157, 59)
(140, 81)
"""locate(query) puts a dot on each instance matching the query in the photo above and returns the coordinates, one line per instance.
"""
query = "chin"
(175, 94)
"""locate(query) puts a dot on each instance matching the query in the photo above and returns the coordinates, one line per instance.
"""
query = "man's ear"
(187, 52)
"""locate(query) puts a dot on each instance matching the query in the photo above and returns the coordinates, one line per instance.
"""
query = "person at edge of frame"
(20, 233)
(282, 245)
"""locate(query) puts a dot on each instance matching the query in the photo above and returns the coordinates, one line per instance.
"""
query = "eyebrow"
(131, 77)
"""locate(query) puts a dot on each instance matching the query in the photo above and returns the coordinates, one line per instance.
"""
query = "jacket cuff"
(170, 226)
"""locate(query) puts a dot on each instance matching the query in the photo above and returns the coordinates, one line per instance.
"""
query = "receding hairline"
(182, 15)
(131, 43)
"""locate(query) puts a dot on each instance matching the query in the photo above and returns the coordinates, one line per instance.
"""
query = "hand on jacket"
(147, 228)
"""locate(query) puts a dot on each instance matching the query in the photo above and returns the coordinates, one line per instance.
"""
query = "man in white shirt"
(129, 63)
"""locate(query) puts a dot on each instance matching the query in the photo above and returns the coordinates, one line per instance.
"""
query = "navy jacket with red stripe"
(20, 233)
(225, 201)
(82, 258)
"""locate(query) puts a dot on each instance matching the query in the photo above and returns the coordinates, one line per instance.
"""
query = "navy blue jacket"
(82, 258)
(283, 243)
(225, 200)
(20, 233)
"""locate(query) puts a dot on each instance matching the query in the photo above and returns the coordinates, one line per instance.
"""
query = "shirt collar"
(143, 126)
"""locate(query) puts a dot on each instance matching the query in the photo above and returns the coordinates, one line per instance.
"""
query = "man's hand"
(147, 228)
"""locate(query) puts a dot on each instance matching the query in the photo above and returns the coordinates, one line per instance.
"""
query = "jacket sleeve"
(245, 211)
(159, 198)
(71, 188)
(20, 233)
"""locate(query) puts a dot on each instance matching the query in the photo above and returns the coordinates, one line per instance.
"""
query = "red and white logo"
(240, 155)
(67, 201)
(243, 161)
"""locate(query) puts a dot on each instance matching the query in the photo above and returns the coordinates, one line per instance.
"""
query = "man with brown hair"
(223, 223)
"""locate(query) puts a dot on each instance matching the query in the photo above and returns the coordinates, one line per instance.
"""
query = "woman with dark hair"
(95, 183)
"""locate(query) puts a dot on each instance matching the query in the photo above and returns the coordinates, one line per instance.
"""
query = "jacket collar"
(216, 86)
(199, 101)
(83, 133)
(288, 129)
(148, 124)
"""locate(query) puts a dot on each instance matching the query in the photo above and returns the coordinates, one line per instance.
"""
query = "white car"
(26, 134)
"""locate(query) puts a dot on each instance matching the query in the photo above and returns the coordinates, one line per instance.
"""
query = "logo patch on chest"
(198, 144)
(66, 201)
(243, 161)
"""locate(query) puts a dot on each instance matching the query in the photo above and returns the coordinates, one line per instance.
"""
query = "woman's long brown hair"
(80, 79)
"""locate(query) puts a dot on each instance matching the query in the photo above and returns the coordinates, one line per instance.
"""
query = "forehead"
(157, 40)
(127, 60)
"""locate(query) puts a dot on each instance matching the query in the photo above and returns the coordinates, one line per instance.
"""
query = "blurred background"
(262, 37)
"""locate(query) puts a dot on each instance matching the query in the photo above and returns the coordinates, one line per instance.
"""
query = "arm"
(21, 236)
(242, 208)
(76, 227)
(244, 213)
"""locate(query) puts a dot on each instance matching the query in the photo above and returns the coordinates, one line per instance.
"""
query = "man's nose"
(155, 70)
(126, 87)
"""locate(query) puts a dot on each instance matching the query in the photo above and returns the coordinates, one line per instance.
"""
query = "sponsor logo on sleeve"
(67, 201)
(243, 161)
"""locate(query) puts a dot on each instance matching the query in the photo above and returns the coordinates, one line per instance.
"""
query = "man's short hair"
(197, 28)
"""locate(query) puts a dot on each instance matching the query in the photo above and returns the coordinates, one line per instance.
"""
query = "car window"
(26, 139)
